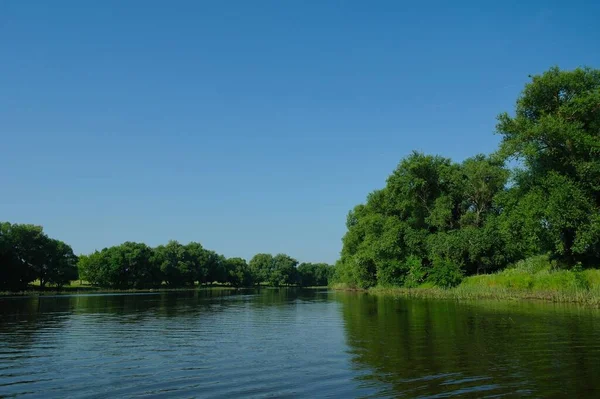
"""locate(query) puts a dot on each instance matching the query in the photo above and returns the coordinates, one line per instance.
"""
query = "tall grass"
(533, 278)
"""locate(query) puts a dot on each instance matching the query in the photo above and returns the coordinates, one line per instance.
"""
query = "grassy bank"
(531, 279)
(78, 288)
(82, 288)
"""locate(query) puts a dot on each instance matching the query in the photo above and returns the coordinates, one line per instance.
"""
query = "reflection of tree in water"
(138, 307)
(417, 347)
(21, 318)
(285, 296)
(25, 315)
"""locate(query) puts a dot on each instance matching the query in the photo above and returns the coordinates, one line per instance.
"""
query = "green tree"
(27, 254)
(217, 271)
(431, 209)
(314, 274)
(20, 251)
(177, 266)
(198, 259)
(61, 264)
(129, 265)
(284, 270)
(261, 266)
(89, 266)
(238, 272)
(554, 133)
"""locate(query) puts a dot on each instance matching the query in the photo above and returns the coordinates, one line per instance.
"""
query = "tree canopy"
(27, 255)
(434, 221)
(437, 220)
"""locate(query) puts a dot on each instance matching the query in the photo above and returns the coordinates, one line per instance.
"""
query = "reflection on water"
(292, 343)
(444, 348)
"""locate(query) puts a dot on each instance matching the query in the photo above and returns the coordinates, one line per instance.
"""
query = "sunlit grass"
(84, 287)
(535, 278)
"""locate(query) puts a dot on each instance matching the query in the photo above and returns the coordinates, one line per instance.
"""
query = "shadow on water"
(420, 347)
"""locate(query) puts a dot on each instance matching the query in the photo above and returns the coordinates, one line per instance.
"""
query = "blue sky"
(252, 126)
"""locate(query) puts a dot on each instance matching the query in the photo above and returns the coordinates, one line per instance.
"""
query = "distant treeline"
(437, 220)
(28, 255)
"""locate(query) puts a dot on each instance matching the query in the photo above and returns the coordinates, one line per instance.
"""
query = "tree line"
(27, 254)
(437, 220)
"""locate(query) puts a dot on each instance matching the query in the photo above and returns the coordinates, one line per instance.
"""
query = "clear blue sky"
(252, 126)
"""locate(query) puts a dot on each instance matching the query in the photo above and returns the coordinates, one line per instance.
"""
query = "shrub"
(416, 272)
(534, 264)
(445, 273)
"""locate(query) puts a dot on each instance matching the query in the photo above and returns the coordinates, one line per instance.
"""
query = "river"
(293, 343)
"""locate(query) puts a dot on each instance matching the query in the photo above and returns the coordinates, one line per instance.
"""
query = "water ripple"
(291, 344)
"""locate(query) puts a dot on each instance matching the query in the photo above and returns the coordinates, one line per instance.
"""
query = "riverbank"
(77, 288)
(72, 290)
(525, 281)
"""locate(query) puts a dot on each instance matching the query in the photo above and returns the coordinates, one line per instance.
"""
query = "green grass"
(532, 279)
(77, 287)
(82, 287)
(344, 287)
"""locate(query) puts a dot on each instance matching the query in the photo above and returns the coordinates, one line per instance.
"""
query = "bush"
(592, 278)
(416, 272)
(534, 264)
(390, 273)
(445, 274)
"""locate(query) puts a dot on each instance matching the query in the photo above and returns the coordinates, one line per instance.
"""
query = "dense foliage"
(314, 274)
(281, 270)
(133, 265)
(27, 254)
(437, 220)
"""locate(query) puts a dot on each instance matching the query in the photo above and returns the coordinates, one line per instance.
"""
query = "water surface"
(293, 343)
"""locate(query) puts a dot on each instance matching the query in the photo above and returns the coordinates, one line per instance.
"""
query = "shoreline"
(588, 298)
(83, 290)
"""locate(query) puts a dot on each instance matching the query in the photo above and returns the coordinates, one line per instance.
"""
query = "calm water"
(286, 343)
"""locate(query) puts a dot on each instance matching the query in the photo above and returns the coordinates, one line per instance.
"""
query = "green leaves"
(238, 272)
(432, 210)
(555, 131)
(27, 254)
(135, 265)
(262, 266)
(314, 274)
(460, 219)
(283, 270)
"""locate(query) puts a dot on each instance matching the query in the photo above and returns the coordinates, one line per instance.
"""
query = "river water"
(293, 343)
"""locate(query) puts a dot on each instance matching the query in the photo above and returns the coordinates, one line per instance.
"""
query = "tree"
(436, 220)
(139, 266)
(217, 271)
(198, 262)
(261, 266)
(238, 272)
(90, 267)
(178, 267)
(27, 254)
(61, 264)
(129, 265)
(284, 270)
(314, 274)
(431, 209)
(20, 250)
(554, 133)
